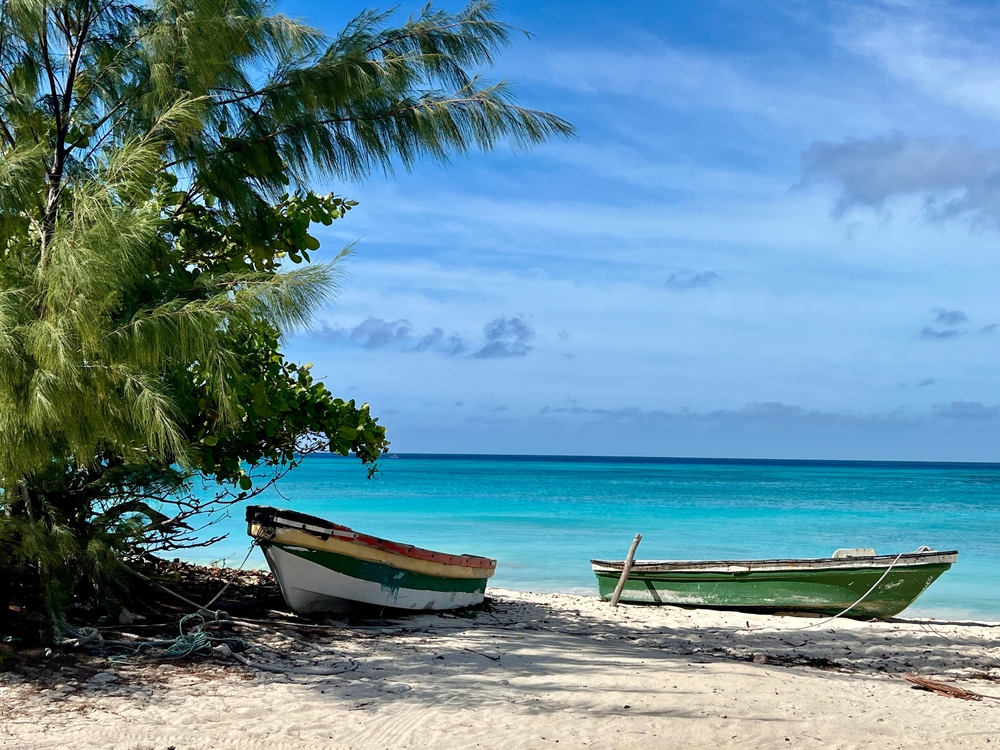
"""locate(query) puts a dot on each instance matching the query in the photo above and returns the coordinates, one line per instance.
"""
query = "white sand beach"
(537, 670)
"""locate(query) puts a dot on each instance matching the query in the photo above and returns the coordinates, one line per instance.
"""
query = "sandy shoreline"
(533, 670)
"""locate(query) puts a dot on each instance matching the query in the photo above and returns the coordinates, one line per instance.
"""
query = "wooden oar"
(626, 569)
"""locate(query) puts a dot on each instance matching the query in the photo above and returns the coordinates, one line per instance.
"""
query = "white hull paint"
(308, 587)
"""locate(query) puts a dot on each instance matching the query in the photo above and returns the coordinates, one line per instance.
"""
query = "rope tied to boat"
(844, 611)
(231, 580)
(863, 597)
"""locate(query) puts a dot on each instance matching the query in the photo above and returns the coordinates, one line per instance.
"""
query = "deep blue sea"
(544, 518)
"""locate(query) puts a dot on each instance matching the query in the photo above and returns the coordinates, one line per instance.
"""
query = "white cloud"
(956, 178)
(934, 46)
(684, 161)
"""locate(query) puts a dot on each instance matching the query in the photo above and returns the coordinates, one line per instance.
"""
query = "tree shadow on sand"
(529, 649)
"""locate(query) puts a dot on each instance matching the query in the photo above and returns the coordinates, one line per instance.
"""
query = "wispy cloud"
(762, 413)
(967, 411)
(933, 46)
(376, 333)
(931, 333)
(503, 337)
(688, 79)
(506, 337)
(947, 322)
(687, 147)
(955, 431)
(687, 279)
(950, 317)
(956, 178)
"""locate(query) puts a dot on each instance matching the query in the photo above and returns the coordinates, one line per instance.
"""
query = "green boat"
(863, 583)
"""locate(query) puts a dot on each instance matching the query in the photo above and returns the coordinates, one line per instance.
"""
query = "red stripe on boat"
(415, 553)
(291, 519)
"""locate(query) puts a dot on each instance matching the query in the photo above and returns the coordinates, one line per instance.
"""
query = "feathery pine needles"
(155, 163)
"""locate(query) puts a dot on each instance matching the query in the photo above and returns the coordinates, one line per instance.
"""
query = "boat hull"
(314, 581)
(323, 567)
(824, 590)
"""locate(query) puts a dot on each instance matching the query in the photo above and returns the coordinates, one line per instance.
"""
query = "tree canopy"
(155, 204)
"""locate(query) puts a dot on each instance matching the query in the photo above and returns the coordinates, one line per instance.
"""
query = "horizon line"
(571, 458)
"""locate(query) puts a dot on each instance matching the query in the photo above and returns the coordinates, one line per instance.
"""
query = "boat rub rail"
(822, 563)
(264, 516)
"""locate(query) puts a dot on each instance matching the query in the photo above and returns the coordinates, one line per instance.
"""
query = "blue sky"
(775, 235)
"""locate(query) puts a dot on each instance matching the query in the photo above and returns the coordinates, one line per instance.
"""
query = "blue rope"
(197, 641)
(187, 644)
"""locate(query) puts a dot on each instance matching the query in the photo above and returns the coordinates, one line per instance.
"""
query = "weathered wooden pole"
(626, 569)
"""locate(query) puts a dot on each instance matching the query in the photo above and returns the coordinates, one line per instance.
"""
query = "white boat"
(323, 567)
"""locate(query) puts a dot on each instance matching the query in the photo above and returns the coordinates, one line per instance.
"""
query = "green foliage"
(206, 242)
(280, 404)
(155, 248)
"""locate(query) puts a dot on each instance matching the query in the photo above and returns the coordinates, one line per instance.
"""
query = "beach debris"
(941, 688)
(398, 687)
(349, 665)
(125, 617)
(491, 657)
(759, 659)
(77, 637)
(222, 650)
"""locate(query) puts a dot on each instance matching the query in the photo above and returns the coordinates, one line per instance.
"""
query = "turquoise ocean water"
(543, 519)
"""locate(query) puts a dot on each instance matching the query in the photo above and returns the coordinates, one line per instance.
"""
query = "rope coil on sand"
(190, 643)
(196, 641)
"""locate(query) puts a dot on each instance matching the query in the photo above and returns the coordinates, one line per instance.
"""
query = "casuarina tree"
(155, 210)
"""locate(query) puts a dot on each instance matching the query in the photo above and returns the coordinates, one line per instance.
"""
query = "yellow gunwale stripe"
(364, 552)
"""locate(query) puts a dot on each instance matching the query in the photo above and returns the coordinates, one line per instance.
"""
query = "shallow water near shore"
(543, 519)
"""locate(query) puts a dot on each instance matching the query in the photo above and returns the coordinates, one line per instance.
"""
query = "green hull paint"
(385, 575)
(826, 592)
